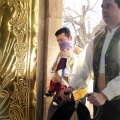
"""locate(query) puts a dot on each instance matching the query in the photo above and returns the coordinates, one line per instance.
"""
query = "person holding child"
(65, 67)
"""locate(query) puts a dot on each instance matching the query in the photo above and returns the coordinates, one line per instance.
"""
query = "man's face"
(111, 13)
(66, 52)
(61, 37)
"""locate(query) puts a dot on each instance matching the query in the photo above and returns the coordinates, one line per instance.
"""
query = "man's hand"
(68, 90)
(96, 99)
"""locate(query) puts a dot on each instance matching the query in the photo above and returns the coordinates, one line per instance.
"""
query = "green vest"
(111, 58)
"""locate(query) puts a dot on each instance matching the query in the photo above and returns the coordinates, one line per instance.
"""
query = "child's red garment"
(57, 87)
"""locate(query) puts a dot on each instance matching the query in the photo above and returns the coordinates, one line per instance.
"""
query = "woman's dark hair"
(63, 30)
(118, 3)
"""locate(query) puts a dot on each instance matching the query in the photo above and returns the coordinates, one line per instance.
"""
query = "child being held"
(63, 70)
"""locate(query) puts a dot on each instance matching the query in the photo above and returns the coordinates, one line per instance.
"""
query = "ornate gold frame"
(18, 43)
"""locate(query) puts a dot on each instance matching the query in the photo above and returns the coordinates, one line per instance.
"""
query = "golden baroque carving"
(17, 59)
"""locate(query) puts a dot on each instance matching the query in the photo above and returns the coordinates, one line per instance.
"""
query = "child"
(63, 71)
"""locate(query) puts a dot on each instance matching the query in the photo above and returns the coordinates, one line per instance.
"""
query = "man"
(103, 60)
(61, 35)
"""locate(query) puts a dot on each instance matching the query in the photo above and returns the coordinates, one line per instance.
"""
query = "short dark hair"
(63, 30)
(118, 3)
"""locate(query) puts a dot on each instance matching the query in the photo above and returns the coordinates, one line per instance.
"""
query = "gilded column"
(18, 41)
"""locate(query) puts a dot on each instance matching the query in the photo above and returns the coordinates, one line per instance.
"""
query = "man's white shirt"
(85, 70)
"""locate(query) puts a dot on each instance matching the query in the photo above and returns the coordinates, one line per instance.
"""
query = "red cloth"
(56, 87)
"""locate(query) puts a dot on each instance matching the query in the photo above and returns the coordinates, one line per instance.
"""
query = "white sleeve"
(74, 67)
(70, 71)
(84, 68)
(113, 88)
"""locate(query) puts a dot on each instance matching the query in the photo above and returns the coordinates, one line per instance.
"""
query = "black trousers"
(52, 109)
(109, 111)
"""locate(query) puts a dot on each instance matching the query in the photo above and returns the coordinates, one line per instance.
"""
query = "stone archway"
(50, 19)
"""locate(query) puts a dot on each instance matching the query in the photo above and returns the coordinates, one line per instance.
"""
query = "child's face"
(66, 52)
